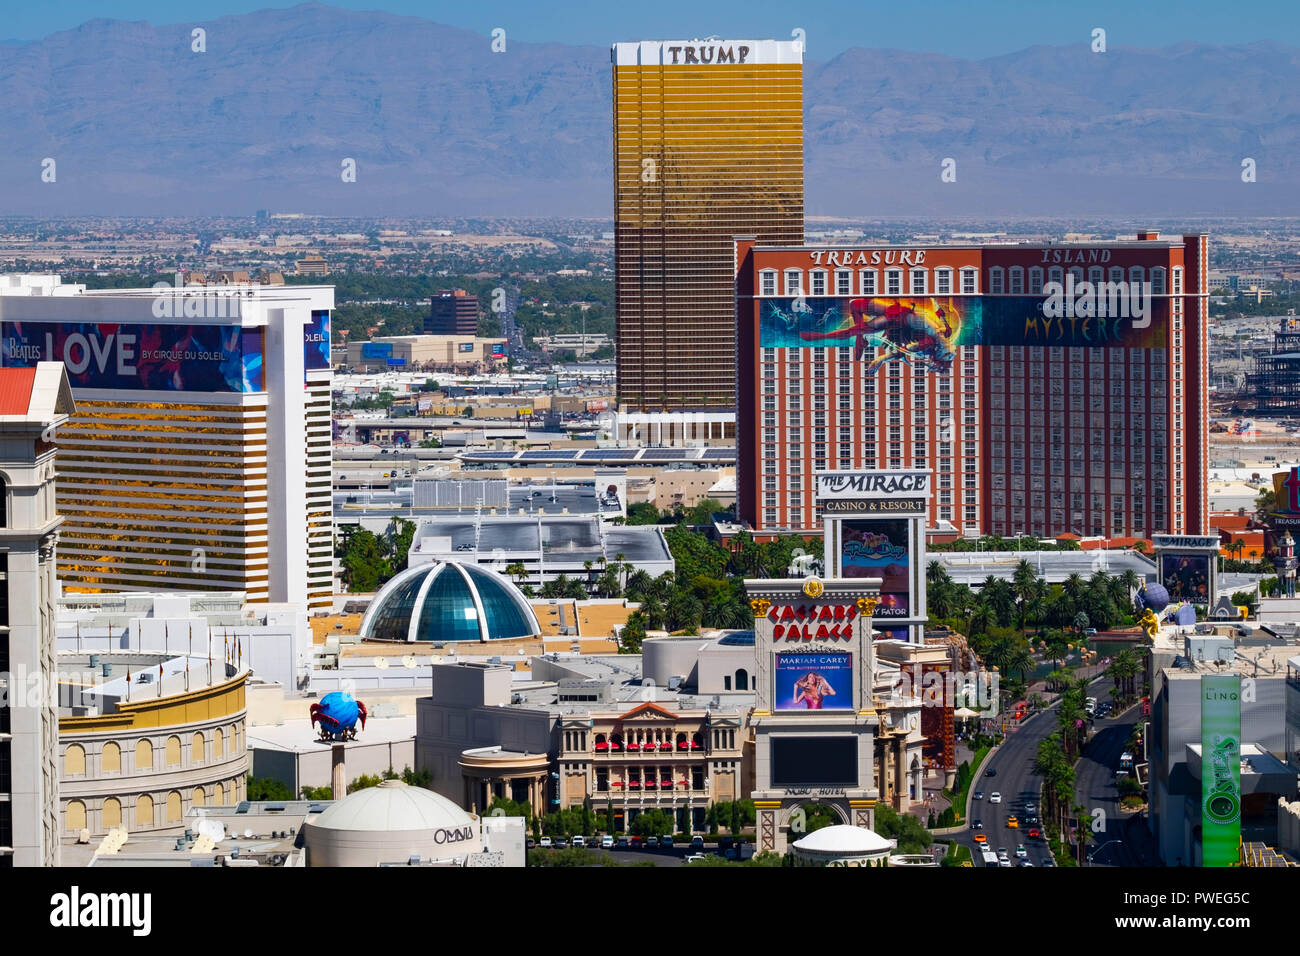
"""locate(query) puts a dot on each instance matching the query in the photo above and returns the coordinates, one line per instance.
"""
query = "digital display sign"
(316, 341)
(814, 681)
(879, 549)
(1220, 769)
(925, 331)
(814, 761)
(1186, 577)
(176, 358)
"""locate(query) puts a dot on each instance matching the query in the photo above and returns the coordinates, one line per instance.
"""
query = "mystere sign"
(848, 485)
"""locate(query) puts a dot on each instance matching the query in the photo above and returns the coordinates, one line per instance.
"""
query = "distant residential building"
(312, 266)
(452, 312)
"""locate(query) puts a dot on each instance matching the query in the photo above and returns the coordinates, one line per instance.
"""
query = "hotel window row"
(894, 281)
(1011, 280)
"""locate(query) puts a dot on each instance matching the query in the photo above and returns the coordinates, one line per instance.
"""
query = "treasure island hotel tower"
(708, 145)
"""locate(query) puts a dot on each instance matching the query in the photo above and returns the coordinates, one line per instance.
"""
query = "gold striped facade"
(320, 502)
(164, 496)
(701, 154)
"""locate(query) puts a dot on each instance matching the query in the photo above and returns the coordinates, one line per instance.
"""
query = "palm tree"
(517, 571)
(982, 618)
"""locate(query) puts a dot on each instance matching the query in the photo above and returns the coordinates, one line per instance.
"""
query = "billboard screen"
(879, 549)
(815, 761)
(376, 350)
(465, 347)
(175, 358)
(814, 681)
(316, 341)
(499, 349)
(1220, 769)
(1186, 577)
(925, 331)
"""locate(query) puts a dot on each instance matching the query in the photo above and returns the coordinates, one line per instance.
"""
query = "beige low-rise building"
(142, 758)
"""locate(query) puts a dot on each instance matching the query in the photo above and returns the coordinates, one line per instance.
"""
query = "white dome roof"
(393, 806)
(843, 839)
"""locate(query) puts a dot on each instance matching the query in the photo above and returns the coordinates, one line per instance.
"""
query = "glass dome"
(448, 601)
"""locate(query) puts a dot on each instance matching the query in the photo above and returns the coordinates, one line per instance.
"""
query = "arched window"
(742, 679)
(218, 742)
(144, 812)
(74, 762)
(198, 749)
(172, 755)
(112, 813)
(174, 807)
(199, 798)
(143, 756)
(110, 758)
(76, 816)
(225, 793)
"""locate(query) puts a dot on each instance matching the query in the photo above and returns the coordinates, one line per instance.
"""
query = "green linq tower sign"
(1220, 770)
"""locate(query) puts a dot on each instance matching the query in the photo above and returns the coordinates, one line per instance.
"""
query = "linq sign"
(808, 622)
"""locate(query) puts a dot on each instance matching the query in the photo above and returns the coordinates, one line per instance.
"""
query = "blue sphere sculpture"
(1154, 596)
(1185, 615)
(338, 713)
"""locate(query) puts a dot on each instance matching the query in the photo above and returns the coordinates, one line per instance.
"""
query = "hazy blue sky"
(965, 28)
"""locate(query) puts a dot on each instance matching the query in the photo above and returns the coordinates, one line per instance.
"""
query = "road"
(1016, 781)
(1125, 841)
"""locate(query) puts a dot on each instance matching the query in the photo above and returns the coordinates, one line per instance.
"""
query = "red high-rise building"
(1036, 414)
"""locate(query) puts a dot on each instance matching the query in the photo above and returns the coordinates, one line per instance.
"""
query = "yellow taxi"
(1013, 822)
(981, 838)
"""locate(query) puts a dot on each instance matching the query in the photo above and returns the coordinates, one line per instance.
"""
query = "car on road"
(622, 842)
(606, 842)
(1013, 822)
(1021, 852)
(1031, 807)
(990, 772)
(1048, 861)
(981, 838)
(651, 843)
(1024, 863)
(530, 844)
(1031, 820)
(1002, 855)
(546, 843)
(1035, 833)
(977, 824)
(638, 842)
(579, 840)
(561, 842)
(979, 795)
(1089, 632)
(695, 858)
(697, 843)
(995, 797)
(666, 841)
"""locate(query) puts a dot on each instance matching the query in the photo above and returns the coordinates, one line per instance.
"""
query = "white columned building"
(33, 403)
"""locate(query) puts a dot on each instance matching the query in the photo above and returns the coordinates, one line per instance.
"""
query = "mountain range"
(438, 124)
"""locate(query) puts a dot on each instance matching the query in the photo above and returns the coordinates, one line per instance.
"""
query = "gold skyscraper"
(708, 145)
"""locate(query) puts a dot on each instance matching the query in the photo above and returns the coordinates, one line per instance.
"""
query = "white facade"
(212, 482)
(29, 721)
